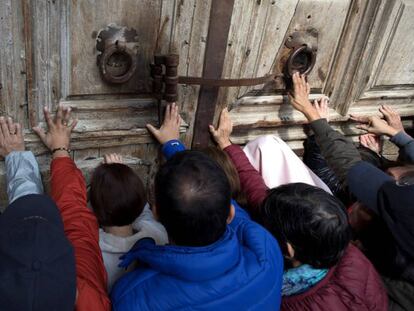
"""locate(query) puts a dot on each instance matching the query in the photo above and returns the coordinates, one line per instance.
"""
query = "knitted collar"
(300, 279)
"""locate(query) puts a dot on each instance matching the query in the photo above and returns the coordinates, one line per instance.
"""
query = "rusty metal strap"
(226, 82)
(218, 31)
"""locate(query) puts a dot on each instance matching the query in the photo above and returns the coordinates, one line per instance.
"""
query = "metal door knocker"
(303, 55)
(118, 47)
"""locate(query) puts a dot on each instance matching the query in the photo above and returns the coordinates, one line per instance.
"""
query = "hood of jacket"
(209, 261)
(242, 270)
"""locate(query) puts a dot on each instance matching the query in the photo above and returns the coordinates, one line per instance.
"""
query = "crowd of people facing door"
(228, 228)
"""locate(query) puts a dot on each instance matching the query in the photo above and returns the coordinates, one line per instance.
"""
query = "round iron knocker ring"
(302, 60)
(110, 51)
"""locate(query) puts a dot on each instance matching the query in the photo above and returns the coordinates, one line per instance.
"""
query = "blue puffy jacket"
(241, 271)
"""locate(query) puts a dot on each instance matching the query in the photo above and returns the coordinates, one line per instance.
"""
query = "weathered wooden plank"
(297, 132)
(235, 53)
(43, 48)
(277, 23)
(329, 18)
(12, 62)
(82, 140)
(255, 38)
(189, 32)
(397, 67)
(182, 18)
(111, 104)
(166, 26)
(195, 59)
(389, 93)
(108, 114)
(384, 44)
(181, 32)
(350, 52)
(274, 110)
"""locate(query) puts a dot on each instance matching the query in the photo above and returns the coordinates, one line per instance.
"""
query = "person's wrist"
(60, 149)
(224, 143)
(164, 140)
(311, 114)
(61, 154)
(59, 144)
(390, 131)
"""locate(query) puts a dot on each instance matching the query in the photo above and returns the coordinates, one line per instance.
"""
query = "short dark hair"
(314, 222)
(192, 196)
(117, 194)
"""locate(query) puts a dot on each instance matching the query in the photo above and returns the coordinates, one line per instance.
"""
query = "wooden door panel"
(396, 62)
(391, 76)
(85, 19)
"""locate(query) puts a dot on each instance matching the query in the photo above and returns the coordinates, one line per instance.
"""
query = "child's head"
(117, 195)
(192, 199)
(231, 172)
(311, 220)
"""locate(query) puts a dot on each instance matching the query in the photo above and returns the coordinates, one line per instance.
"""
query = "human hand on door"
(11, 137)
(374, 125)
(57, 137)
(113, 158)
(300, 97)
(371, 141)
(170, 127)
(222, 134)
(392, 117)
(322, 107)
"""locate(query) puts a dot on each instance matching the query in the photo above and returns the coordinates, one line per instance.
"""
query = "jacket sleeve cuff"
(23, 175)
(171, 147)
(401, 139)
(320, 127)
(62, 161)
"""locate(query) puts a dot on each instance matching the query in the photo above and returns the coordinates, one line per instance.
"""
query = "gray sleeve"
(339, 152)
(23, 175)
(406, 144)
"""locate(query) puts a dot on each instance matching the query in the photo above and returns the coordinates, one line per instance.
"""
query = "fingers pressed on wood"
(4, 128)
(48, 117)
(59, 114)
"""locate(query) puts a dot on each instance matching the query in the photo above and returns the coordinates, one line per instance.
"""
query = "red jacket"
(81, 227)
(353, 284)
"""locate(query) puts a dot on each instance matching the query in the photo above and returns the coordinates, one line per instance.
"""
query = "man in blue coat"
(218, 259)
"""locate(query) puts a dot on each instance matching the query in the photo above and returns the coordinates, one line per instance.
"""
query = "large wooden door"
(48, 56)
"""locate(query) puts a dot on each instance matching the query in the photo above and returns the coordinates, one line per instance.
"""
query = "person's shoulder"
(256, 238)
(354, 258)
(130, 286)
(357, 275)
(353, 283)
